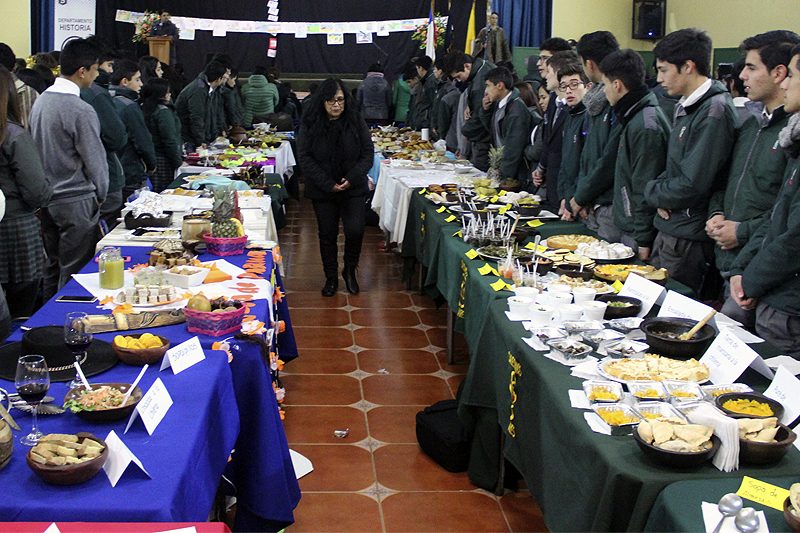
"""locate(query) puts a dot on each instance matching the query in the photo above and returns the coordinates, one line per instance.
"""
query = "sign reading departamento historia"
(72, 18)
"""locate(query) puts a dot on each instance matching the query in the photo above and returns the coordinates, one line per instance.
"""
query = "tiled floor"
(369, 363)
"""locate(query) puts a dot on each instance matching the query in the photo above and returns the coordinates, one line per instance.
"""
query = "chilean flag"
(430, 44)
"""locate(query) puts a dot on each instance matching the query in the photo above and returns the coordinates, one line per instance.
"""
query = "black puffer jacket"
(340, 151)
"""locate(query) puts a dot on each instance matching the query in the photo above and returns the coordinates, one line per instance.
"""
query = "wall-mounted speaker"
(649, 19)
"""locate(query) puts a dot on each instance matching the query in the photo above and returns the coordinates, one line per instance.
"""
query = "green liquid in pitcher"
(112, 274)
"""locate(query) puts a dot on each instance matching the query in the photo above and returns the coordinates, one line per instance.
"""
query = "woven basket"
(214, 324)
(225, 246)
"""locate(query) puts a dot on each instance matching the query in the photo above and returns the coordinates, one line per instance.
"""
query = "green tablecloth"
(678, 506)
(583, 481)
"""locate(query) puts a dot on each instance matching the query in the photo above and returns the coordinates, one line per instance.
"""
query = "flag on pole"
(470, 30)
(430, 43)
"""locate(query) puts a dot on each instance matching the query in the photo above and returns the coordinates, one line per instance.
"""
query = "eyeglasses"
(571, 85)
(335, 101)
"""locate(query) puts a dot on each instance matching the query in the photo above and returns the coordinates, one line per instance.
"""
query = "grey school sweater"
(67, 131)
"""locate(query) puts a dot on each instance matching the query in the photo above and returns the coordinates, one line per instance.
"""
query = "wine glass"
(33, 381)
(77, 339)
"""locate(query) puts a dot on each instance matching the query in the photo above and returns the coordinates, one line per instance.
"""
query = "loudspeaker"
(649, 19)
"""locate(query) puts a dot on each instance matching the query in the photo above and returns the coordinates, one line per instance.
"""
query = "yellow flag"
(470, 30)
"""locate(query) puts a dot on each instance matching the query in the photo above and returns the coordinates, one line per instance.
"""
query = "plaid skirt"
(165, 173)
(21, 250)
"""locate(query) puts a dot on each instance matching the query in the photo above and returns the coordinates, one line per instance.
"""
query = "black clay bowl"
(765, 453)
(676, 459)
(542, 267)
(574, 271)
(777, 408)
(107, 415)
(620, 312)
(528, 210)
(657, 331)
(793, 520)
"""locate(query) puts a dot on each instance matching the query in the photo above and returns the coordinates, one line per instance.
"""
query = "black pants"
(23, 298)
(350, 209)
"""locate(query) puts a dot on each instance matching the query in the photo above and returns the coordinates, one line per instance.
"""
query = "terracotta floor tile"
(421, 300)
(433, 317)
(312, 337)
(319, 317)
(455, 382)
(405, 467)
(398, 361)
(322, 361)
(394, 424)
(337, 467)
(308, 389)
(345, 513)
(405, 389)
(397, 300)
(437, 336)
(460, 364)
(442, 511)
(522, 512)
(313, 298)
(391, 338)
(385, 317)
(315, 425)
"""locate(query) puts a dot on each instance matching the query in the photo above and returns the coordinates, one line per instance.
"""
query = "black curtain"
(459, 20)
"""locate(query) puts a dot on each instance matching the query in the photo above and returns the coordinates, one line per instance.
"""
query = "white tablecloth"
(393, 194)
(284, 162)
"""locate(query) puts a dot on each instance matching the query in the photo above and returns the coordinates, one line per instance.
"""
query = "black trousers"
(350, 210)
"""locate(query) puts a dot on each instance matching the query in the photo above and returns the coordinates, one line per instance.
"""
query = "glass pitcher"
(111, 268)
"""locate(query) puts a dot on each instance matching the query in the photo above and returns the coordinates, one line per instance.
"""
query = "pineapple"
(495, 158)
(223, 225)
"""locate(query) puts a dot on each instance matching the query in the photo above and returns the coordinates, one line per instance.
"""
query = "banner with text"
(72, 18)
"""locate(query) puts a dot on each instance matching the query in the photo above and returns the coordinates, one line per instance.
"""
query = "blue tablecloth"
(188, 451)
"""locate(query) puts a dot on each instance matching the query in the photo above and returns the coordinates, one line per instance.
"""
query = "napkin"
(712, 516)
(596, 423)
(578, 399)
(727, 429)
(791, 364)
(535, 343)
(586, 370)
(558, 358)
(515, 318)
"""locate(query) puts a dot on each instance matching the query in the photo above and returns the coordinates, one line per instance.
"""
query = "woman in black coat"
(335, 152)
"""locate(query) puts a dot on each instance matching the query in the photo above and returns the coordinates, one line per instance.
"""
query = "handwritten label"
(643, 289)
(728, 357)
(535, 224)
(784, 389)
(486, 269)
(119, 458)
(498, 285)
(152, 408)
(450, 218)
(617, 286)
(184, 355)
(763, 493)
(441, 209)
(471, 253)
(678, 305)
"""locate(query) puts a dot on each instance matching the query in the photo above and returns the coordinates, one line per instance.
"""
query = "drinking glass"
(77, 338)
(33, 381)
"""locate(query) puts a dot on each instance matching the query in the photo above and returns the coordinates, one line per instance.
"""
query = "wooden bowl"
(6, 444)
(793, 520)
(71, 474)
(141, 356)
(765, 453)
(676, 459)
(777, 408)
(107, 415)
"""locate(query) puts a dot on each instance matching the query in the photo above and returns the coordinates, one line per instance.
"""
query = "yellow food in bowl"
(651, 416)
(146, 340)
(603, 393)
(683, 394)
(720, 392)
(647, 393)
(748, 407)
(616, 417)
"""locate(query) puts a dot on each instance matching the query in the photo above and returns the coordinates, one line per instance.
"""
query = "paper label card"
(535, 223)
(184, 355)
(471, 254)
(498, 285)
(364, 37)
(763, 493)
(335, 38)
(441, 209)
(152, 407)
(785, 388)
(680, 306)
(458, 234)
(487, 269)
(422, 191)
(617, 286)
(451, 218)
(119, 458)
(728, 357)
(532, 246)
(645, 290)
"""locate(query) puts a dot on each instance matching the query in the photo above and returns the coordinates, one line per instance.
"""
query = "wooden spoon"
(692, 332)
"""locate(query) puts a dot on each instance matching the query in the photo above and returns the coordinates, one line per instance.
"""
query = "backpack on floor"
(442, 436)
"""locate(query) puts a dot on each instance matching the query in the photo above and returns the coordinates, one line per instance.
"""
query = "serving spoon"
(729, 505)
(692, 332)
(747, 520)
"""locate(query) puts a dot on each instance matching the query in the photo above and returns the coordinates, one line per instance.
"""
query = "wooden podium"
(159, 47)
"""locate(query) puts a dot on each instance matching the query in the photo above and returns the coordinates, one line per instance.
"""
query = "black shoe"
(349, 275)
(331, 285)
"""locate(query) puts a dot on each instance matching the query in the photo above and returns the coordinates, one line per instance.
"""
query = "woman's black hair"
(9, 107)
(148, 66)
(315, 117)
(153, 94)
